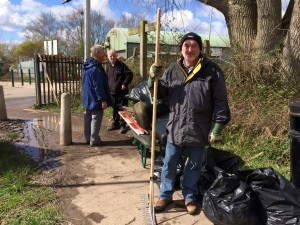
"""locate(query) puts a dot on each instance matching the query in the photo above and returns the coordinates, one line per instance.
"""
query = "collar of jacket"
(190, 75)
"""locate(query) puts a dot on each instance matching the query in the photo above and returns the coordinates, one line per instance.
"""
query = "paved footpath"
(19, 90)
(100, 185)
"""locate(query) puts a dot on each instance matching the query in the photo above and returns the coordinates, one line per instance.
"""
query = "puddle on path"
(41, 138)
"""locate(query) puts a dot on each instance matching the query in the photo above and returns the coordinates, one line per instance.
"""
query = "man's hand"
(155, 71)
(213, 138)
(104, 105)
(216, 132)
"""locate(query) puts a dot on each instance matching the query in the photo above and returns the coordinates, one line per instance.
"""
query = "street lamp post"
(87, 28)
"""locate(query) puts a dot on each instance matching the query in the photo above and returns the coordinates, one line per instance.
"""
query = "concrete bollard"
(65, 120)
(3, 114)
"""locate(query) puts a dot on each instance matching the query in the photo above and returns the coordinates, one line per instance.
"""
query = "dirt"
(104, 185)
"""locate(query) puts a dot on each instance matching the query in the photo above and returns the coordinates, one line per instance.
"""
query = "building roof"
(169, 38)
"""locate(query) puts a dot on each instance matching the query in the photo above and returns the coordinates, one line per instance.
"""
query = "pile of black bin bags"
(250, 197)
(232, 197)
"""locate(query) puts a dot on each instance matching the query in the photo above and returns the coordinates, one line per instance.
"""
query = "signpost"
(142, 29)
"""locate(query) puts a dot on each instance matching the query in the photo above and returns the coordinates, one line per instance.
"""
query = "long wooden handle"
(154, 109)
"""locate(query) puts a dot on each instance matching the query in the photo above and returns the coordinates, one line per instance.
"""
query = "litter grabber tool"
(151, 219)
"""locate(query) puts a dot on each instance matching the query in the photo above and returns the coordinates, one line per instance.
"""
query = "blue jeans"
(92, 124)
(191, 174)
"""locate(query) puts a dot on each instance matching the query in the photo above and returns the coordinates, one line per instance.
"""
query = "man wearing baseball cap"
(197, 97)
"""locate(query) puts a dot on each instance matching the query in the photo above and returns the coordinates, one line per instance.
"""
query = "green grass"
(259, 152)
(12, 135)
(22, 202)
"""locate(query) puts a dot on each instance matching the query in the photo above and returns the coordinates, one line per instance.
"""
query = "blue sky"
(192, 15)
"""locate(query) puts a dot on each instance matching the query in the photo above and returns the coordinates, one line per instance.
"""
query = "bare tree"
(99, 27)
(44, 27)
(72, 33)
(130, 20)
(68, 30)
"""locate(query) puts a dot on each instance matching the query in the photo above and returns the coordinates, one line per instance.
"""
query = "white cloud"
(14, 17)
(30, 5)
(104, 8)
(185, 20)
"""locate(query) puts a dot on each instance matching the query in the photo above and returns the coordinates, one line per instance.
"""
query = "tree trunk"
(291, 50)
(241, 20)
(268, 25)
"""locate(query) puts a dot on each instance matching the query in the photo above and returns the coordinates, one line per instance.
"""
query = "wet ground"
(94, 185)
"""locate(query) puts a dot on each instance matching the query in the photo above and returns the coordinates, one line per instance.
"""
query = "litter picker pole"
(151, 193)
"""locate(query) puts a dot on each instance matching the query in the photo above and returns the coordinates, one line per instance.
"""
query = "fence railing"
(55, 75)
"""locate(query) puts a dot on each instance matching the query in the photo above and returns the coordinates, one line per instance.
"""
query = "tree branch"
(222, 6)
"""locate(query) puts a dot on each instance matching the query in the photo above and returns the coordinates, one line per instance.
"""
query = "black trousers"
(117, 120)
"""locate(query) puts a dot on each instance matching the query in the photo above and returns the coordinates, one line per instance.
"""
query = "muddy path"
(94, 185)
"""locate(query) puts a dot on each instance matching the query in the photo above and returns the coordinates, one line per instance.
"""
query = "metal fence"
(55, 75)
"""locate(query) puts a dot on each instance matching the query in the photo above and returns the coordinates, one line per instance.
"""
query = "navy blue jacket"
(95, 87)
(194, 104)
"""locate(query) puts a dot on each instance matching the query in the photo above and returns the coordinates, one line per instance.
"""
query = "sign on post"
(142, 30)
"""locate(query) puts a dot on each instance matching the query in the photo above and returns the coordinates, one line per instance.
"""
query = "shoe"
(124, 130)
(162, 204)
(101, 143)
(113, 128)
(191, 207)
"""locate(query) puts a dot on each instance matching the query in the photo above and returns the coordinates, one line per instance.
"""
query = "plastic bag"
(141, 92)
(229, 201)
(279, 197)
(143, 107)
(216, 158)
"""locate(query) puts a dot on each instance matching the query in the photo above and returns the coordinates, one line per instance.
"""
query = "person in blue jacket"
(197, 98)
(95, 95)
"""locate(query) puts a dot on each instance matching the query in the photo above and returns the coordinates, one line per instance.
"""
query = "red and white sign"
(132, 123)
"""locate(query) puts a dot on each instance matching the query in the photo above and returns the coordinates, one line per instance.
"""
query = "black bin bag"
(214, 157)
(230, 201)
(279, 198)
(143, 107)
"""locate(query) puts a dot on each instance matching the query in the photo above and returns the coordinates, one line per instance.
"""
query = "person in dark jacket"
(95, 95)
(119, 78)
(197, 98)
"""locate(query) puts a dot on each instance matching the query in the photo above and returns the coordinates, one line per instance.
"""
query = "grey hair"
(96, 49)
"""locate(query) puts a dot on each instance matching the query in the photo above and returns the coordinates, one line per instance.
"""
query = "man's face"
(101, 56)
(190, 50)
(112, 57)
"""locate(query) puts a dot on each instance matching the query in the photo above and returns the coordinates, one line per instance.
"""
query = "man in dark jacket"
(197, 97)
(119, 77)
(95, 95)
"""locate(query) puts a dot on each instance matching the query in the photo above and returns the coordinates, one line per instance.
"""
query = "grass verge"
(259, 152)
(20, 201)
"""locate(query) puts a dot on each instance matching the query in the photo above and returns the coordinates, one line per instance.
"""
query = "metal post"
(12, 77)
(22, 77)
(37, 80)
(29, 76)
(87, 27)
